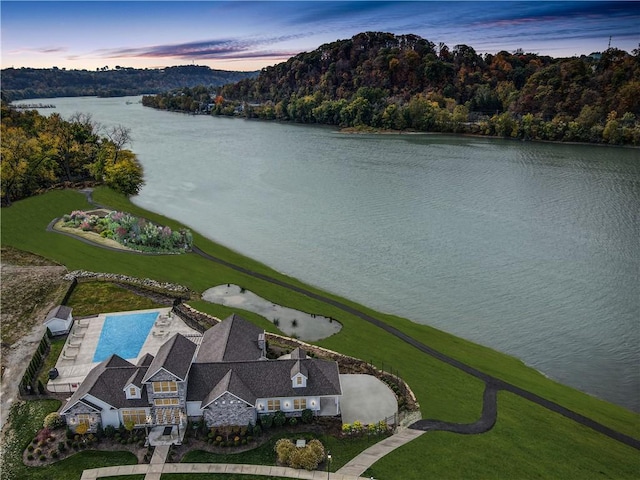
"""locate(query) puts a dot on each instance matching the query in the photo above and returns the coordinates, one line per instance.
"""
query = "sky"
(250, 35)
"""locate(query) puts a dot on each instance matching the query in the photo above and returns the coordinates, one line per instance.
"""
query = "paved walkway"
(358, 465)
(351, 471)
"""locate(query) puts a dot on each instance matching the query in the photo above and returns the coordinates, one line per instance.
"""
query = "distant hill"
(21, 83)
(405, 82)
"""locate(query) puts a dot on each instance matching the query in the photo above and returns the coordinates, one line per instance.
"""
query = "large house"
(226, 380)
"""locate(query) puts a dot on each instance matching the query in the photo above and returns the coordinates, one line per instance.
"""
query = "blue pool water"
(124, 335)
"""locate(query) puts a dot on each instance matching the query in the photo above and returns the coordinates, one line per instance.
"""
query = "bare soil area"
(29, 287)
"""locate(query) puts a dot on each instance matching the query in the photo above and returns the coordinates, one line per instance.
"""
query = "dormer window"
(131, 392)
(299, 381)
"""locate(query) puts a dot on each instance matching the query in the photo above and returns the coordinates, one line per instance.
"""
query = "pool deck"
(76, 359)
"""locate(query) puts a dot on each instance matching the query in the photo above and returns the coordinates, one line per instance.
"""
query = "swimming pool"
(124, 335)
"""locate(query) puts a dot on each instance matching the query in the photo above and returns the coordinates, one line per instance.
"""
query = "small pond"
(294, 323)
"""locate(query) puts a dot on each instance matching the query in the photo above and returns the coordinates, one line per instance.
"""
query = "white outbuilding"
(59, 320)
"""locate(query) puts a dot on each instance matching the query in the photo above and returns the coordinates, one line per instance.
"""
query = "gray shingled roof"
(61, 311)
(106, 382)
(231, 383)
(175, 356)
(264, 379)
(299, 367)
(234, 339)
(299, 353)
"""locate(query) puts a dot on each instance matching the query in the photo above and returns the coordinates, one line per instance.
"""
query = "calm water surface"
(532, 249)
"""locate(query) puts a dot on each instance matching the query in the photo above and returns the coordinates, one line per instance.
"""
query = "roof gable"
(106, 382)
(233, 384)
(234, 339)
(61, 312)
(174, 356)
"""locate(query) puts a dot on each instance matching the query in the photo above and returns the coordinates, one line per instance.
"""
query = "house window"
(167, 416)
(273, 405)
(138, 417)
(299, 403)
(133, 392)
(162, 402)
(164, 387)
(84, 418)
(298, 380)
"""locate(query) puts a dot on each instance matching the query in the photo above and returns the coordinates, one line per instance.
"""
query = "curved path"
(493, 384)
(485, 423)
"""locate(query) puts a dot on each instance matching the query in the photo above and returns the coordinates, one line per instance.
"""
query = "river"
(528, 248)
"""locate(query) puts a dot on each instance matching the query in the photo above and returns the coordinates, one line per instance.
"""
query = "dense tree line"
(384, 81)
(38, 153)
(21, 83)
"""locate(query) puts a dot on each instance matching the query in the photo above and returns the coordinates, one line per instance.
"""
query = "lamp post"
(328, 463)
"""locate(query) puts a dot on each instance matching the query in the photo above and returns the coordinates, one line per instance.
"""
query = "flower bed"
(130, 231)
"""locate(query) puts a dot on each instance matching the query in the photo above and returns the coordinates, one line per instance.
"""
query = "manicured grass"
(26, 419)
(92, 298)
(528, 441)
(443, 391)
(50, 360)
(342, 450)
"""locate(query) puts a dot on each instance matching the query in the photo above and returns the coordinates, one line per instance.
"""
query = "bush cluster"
(307, 457)
(357, 428)
(131, 231)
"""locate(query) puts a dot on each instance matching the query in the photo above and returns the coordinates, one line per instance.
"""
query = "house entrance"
(167, 416)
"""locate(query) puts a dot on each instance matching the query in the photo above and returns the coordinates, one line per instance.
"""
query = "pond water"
(294, 323)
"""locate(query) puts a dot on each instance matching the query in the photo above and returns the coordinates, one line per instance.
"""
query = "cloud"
(38, 50)
(208, 49)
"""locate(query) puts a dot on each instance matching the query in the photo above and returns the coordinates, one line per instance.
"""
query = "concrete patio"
(76, 359)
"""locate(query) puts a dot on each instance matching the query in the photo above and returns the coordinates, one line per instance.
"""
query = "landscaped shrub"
(293, 421)
(279, 418)
(133, 232)
(307, 416)
(308, 457)
(29, 457)
(54, 454)
(257, 430)
(284, 448)
(43, 435)
(266, 421)
(53, 421)
(61, 447)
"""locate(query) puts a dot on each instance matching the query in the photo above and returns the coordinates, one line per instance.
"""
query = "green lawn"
(342, 450)
(26, 419)
(528, 441)
(50, 360)
(92, 298)
(443, 392)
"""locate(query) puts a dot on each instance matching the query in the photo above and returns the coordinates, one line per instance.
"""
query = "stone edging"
(115, 277)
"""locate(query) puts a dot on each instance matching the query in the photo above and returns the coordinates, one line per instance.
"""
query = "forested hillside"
(405, 82)
(38, 153)
(20, 83)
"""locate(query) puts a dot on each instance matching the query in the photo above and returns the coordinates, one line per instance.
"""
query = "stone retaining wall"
(171, 289)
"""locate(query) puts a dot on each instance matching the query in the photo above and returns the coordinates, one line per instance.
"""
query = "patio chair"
(159, 333)
(77, 334)
(69, 355)
(163, 322)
